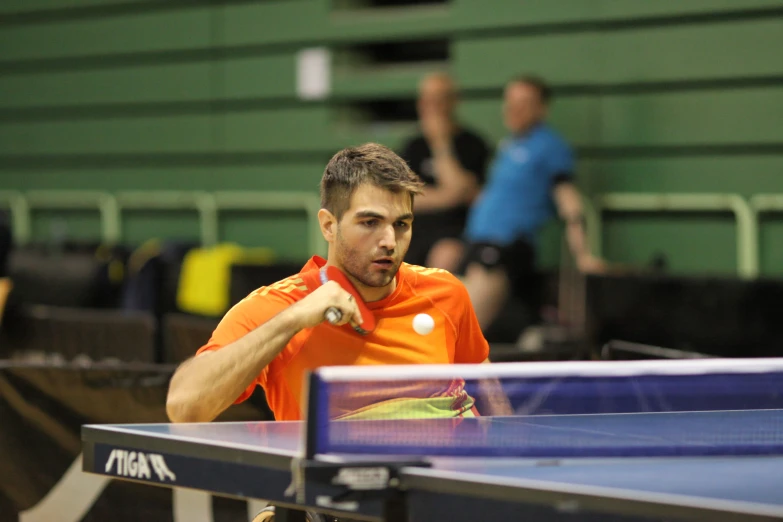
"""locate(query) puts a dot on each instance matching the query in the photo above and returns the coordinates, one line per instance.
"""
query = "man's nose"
(388, 239)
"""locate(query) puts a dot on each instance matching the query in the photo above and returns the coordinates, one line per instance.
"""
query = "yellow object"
(409, 408)
(206, 276)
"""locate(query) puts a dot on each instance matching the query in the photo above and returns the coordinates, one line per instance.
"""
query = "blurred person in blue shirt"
(530, 182)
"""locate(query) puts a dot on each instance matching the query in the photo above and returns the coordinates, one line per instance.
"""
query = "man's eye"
(370, 223)
(402, 224)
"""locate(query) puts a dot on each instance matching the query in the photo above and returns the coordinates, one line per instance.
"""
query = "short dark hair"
(538, 83)
(369, 163)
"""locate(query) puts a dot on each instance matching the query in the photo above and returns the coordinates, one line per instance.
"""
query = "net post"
(313, 420)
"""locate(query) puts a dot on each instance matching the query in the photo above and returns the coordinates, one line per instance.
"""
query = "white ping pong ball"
(423, 324)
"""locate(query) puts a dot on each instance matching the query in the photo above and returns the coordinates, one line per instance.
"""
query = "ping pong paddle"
(332, 314)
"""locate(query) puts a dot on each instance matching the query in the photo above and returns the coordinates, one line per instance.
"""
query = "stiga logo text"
(139, 465)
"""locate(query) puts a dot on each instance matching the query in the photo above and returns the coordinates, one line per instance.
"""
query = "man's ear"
(328, 222)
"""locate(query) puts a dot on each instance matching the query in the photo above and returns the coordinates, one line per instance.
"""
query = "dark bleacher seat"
(153, 276)
(248, 277)
(69, 333)
(79, 276)
(184, 334)
(724, 317)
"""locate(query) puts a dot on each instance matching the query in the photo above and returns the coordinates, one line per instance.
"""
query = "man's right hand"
(312, 309)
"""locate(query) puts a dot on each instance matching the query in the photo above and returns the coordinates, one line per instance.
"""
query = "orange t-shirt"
(456, 337)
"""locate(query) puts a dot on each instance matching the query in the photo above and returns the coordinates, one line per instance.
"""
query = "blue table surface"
(757, 479)
(718, 427)
(740, 478)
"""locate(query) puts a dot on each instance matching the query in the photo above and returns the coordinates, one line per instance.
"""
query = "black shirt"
(473, 154)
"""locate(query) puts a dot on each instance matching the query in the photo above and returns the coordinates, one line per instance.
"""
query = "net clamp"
(344, 486)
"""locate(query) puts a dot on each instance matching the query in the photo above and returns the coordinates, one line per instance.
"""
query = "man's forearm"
(576, 237)
(203, 387)
(450, 171)
(455, 184)
(570, 208)
(492, 400)
(433, 199)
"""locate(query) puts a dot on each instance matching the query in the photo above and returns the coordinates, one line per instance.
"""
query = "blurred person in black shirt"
(452, 161)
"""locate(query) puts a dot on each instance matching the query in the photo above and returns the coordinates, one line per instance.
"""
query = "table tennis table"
(258, 460)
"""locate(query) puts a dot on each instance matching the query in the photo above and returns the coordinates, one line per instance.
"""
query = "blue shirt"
(517, 199)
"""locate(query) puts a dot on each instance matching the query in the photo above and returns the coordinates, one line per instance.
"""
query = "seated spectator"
(531, 179)
(451, 160)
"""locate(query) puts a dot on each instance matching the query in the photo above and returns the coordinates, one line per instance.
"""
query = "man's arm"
(494, 401)
(204, 386)
(569, 207)
(455, 184)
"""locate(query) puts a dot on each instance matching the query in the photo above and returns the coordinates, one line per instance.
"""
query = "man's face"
(373, 235)
(522, 107)
(436, 98)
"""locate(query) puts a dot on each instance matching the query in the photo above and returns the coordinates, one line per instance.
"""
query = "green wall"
(663, 96)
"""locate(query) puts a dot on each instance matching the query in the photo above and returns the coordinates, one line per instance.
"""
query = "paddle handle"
(333, 315)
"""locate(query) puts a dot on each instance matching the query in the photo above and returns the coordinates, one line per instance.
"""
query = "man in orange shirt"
(278, 333)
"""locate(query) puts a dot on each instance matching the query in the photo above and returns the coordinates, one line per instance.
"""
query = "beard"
(358, 265)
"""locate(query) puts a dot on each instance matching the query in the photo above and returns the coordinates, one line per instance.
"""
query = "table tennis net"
(640, 408)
